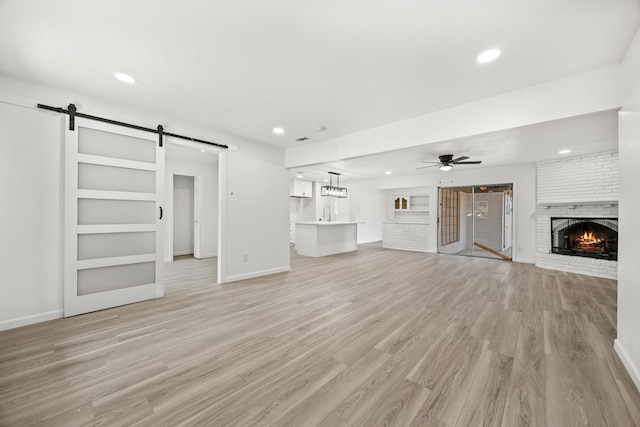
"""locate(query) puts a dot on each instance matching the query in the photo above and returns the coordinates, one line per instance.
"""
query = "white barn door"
(114, 183)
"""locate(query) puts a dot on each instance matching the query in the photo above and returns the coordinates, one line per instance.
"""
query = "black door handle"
(160, 212)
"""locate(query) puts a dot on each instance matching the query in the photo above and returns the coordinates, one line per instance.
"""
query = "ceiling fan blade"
(459, 159)
(437, 163)
(476, 162)
(430, 166)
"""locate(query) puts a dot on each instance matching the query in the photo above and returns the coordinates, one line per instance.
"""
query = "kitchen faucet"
(326, 212)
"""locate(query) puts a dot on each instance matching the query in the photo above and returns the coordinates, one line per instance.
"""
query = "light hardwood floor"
(373, 337)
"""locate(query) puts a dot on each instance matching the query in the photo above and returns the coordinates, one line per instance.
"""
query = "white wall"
(628, 342)
(209, 218)
(256, 236)
(183, 215)
(255, 219)
(31, 216)
(524, 209)
(370, 208)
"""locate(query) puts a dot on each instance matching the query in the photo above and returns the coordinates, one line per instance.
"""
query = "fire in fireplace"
(586, 237)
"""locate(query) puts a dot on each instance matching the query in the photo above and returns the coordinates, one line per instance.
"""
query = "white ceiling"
(592, 133)
(244, 67)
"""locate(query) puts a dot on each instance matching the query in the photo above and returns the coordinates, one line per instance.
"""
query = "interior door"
(114, 179)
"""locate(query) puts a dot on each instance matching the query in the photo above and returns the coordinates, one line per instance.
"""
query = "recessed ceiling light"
(388, 172)
(564, 151)
(326, 180)
(125, 78)
(278, 131)
(202, 151)
(488, 55)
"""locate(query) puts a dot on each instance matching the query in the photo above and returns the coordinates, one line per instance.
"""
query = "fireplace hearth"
(585, 237)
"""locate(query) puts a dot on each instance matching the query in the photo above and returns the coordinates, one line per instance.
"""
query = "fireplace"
(585, 237)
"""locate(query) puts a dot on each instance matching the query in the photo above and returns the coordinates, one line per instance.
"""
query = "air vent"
(301, 139)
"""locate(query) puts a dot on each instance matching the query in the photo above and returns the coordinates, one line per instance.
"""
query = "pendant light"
(331, 190)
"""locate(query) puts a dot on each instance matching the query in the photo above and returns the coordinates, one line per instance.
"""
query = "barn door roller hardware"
(72, 111)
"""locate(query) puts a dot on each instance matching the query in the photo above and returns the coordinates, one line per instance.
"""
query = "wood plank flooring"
(373, 337)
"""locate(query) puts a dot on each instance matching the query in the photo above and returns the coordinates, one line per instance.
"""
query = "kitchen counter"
(322, 238)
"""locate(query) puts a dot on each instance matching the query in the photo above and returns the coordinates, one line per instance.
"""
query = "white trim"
(255, 274)
(113, 298)
(426, 251)
(116, 195)
(633, 370)
(524, 260)
(204, 256)
(180, 253)
(198, 202)
(108, 127)
(30, 320)
(223, 165)
(116, 162)
(118, 260)
(209, 255)
(115, 228)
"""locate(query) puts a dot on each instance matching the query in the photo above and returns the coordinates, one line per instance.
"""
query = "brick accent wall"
(577, 180)
(409, 236)
(580, 187)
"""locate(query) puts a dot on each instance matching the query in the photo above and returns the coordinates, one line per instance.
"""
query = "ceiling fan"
(447, 161)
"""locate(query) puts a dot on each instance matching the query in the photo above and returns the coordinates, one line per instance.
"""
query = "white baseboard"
(180, 253)
(633, 370)
(30, 320)
(406, 249)
(209, 255)
(256, 274)
(525, 260)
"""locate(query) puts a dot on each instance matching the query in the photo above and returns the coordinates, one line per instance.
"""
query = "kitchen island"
(324, 238)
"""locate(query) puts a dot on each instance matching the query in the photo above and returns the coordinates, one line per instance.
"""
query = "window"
(449, 216)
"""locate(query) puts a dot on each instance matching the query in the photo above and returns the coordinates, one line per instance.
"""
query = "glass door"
(476, 221)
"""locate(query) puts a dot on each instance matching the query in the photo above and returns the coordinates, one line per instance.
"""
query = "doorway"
(185, 239)
(476, 221)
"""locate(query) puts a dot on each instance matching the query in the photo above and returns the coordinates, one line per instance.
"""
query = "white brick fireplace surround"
(581, 187)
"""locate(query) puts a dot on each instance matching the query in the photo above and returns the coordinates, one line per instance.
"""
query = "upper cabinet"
(301, 188)
(418, 203)
(401, 203)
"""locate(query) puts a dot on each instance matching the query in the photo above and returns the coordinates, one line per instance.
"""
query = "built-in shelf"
(414, 203)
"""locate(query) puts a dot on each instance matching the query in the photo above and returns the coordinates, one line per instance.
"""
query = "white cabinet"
(301, 188)
(411, 203)
(410, 207)
(401, 203)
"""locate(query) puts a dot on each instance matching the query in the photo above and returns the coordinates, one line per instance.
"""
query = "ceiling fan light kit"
(446, 162)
